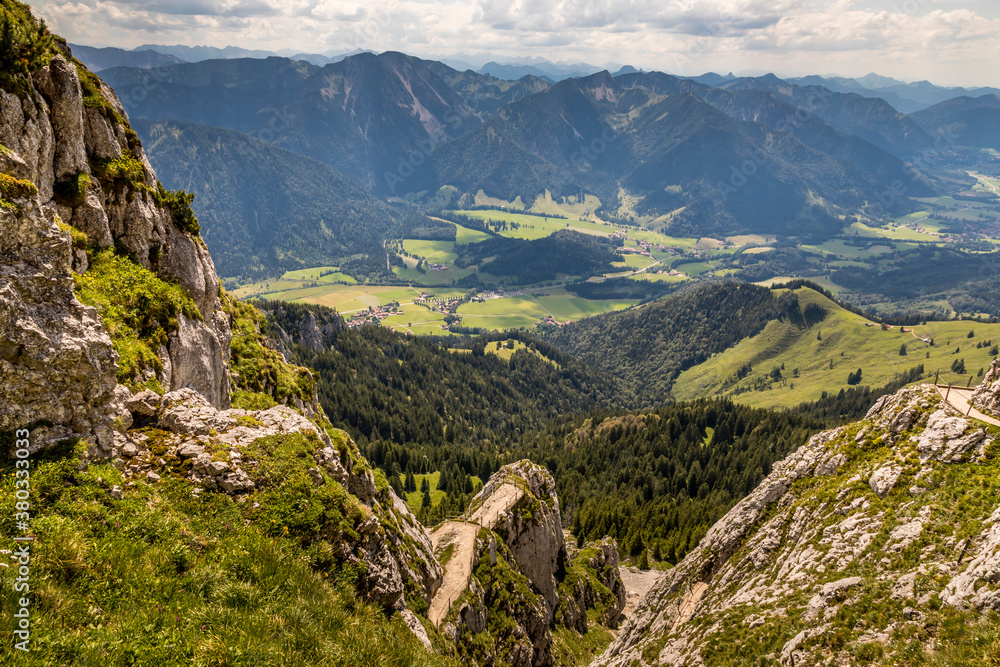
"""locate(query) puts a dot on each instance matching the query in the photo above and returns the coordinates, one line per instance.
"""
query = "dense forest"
(566, 252)
(657, 480)
(417, 405)
(654, 479)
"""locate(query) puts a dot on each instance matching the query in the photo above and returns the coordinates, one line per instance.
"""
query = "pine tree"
(644, 561)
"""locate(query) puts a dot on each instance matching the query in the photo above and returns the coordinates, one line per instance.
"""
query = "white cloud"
(946, 42)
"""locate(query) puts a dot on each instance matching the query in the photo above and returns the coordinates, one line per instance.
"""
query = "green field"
(316, 275)
(505, 349)
(413, 498)
(843, 339)
(527, 311)
(632, 261)
(534, 227)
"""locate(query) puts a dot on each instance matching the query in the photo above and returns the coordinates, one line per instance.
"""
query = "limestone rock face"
(532, 529)
(987, 395)
(859, 515)
(56, 360)
(602, 589)
(523, 579)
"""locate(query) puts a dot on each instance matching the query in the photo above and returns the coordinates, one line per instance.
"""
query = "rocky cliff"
(865, 546)
(75, 180)
(525, 592)
(145, 375)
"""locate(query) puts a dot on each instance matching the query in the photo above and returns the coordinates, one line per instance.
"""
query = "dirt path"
(688, 604)
(496, 504)
(462, 535)
(458, 568)
(959, 397)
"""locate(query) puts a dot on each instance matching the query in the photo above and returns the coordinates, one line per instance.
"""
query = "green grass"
(571, 649)
(632, 261)
(526, 311)
(848, 343)
(505, 349)
(139, 310)
(298, 283)
(164, 578)
(258, 369)
(317, 275)
(464, 235)
(414, 498)
(534, 227)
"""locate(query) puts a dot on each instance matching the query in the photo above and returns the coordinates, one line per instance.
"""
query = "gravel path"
(462, 534)
(959, 397)
(458, 568)
(637, 584)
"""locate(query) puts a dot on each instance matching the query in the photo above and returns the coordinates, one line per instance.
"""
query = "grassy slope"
(164, 577)
(845, 340)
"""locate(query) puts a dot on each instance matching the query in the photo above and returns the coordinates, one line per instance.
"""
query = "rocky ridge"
(181, 434)
(74, 176)
(74, 180)
(858, 545)
(523, 581)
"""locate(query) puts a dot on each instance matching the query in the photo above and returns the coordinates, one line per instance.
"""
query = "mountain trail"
(958, 398)
(462, 536)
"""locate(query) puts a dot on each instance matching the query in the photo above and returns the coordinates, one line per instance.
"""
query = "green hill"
(647, 347)
(791, 361)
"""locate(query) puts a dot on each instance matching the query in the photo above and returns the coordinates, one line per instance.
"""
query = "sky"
(948, 42)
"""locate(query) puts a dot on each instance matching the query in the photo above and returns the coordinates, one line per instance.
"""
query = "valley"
(364, 358)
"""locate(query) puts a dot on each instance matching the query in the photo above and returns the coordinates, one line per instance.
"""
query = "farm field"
(815, 359)
(293, 280)
(505, 349)
(528, 310)
(532, 227)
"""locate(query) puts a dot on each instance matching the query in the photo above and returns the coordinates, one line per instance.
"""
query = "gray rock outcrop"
(209, 445)
(56, 360)
(800, 549)
(986, 397)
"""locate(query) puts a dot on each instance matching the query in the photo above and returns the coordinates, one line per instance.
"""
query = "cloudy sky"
(949, 42)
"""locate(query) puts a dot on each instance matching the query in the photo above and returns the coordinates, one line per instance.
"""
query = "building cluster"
(373, 315)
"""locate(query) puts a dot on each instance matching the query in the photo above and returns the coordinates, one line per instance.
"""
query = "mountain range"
(905, 97)
(667, 151)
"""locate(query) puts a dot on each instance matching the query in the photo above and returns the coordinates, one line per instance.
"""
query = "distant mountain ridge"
(904, 97)
(667, 152)
(97, 59)
(265, 210)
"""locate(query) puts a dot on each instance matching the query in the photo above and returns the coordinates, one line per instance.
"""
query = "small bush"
(179, 204)
(25, 46)
(124, 171)
(16, 188)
